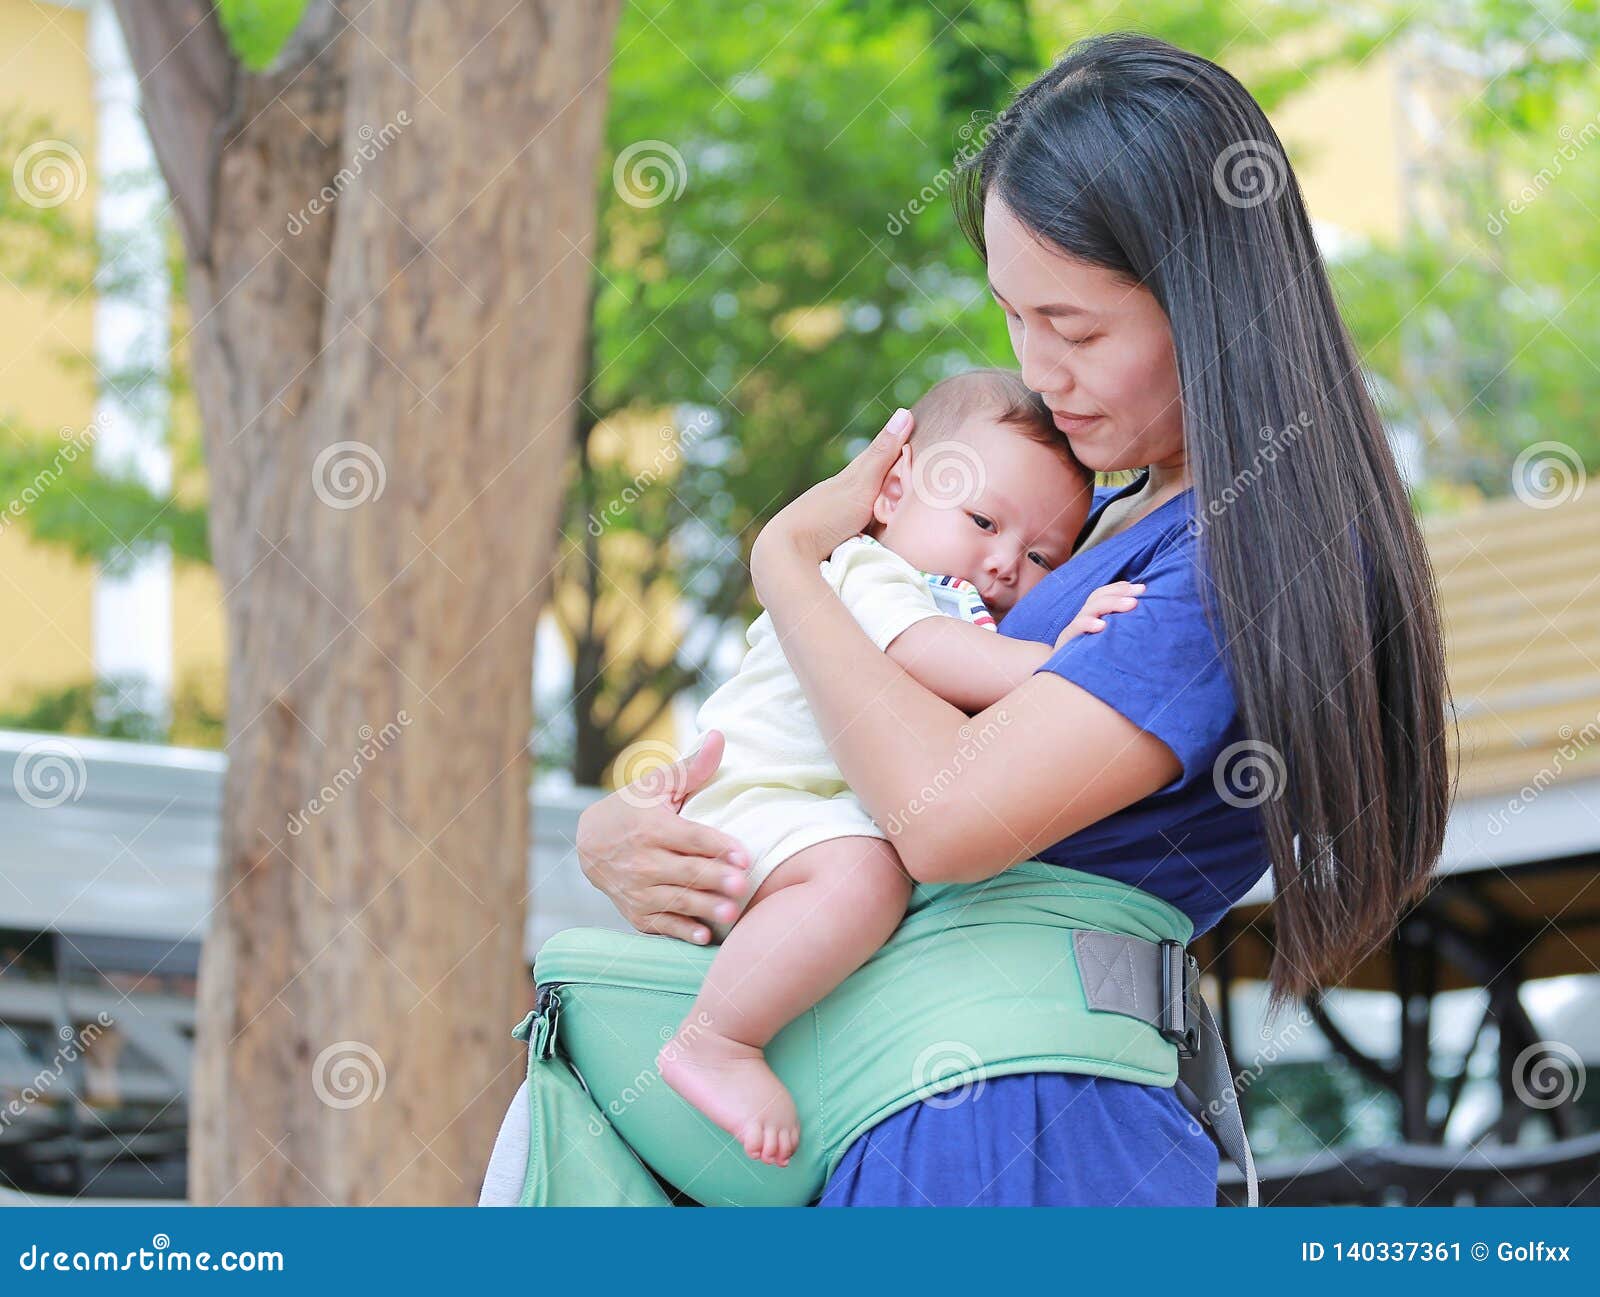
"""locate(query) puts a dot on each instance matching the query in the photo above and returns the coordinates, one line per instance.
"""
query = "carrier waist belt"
(1039, 969)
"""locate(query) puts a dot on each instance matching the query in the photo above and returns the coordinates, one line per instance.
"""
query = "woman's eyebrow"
(1054, 309)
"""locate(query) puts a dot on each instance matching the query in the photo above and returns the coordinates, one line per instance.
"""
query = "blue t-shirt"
(1059, 1139)
(1161, 666)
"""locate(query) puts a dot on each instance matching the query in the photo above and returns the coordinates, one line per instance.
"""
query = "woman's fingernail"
(899, 420)
(738, 859)
(733, 882)
(727, 912)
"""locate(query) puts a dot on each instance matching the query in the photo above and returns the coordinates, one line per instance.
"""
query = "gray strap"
(1210, 1078)
(1123, 974)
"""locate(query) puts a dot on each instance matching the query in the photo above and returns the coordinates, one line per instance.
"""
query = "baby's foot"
(732, 1084)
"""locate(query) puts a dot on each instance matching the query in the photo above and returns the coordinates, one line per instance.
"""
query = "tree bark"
(386, 381)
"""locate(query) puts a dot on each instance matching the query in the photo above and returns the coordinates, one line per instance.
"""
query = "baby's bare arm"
(966, 665)
(973, 668)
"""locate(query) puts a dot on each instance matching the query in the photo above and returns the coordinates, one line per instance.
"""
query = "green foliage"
(258, 29)
(808, 278)
(1300, 1109)
(110, 708)
(1476, 328)
(98, 515)
(51, 484)
(1251, 38)
(42, 245)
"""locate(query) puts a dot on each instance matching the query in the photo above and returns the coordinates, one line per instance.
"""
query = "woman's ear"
(893, 489)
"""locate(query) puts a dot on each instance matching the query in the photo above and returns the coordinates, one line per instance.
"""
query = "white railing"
(114, 838)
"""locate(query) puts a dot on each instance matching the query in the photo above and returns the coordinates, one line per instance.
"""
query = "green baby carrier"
(1039, 969)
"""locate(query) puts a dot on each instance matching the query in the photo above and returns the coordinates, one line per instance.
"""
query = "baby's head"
(988, 488)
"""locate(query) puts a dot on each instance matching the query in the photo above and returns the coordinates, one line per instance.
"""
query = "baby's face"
(987, 504)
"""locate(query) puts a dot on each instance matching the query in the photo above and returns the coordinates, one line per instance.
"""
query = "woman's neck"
(1164, 481)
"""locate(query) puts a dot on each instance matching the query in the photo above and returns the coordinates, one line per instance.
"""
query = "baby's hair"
(998, 393)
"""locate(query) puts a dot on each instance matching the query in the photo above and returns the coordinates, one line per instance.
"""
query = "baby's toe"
(752, 1140)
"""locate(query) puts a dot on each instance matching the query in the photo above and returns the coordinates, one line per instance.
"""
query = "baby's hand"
(1116, 597)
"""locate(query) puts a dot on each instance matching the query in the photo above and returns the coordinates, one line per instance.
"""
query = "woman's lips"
(1072, 422)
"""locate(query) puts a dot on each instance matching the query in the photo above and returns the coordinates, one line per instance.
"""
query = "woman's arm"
(970, 797)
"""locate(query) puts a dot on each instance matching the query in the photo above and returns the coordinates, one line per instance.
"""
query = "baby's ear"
(894, 488)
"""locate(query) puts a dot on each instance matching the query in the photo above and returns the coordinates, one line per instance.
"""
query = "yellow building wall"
(45, 598)
(1343, 138)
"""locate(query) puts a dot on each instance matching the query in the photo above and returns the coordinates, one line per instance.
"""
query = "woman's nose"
(1041, 365)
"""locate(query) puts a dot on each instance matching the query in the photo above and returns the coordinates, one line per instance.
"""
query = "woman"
(1153, 257)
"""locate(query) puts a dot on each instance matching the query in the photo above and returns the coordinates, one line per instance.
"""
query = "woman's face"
(1097, 349)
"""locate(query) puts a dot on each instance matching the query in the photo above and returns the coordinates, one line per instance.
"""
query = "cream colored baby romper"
(778, 790)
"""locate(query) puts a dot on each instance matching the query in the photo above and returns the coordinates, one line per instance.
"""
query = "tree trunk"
(385, 376)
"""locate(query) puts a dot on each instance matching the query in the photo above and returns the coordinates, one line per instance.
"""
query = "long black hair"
(1158, 165)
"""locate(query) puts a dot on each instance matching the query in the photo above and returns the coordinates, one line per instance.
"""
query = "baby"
(985, 500)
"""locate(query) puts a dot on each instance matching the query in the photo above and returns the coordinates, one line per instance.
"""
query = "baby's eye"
(1035, 557)
(984, 524)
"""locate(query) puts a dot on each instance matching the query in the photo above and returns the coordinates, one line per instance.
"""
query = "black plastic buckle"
(547, 1007)
(1179, 1023)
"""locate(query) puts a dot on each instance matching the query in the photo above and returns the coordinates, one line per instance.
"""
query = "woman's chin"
(1104, 455)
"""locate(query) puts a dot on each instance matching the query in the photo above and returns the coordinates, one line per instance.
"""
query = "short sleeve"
(883, 592)
(1159, 664)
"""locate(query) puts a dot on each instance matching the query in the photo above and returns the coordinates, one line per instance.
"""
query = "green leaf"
(257, 30)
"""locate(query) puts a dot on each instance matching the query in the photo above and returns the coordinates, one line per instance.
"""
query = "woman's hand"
(833, 510)
(664, 873)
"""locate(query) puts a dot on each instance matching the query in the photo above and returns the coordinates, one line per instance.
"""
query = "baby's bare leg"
(815, 920)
